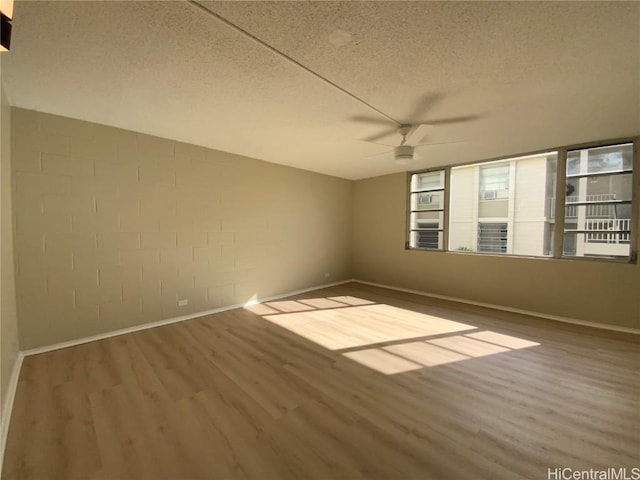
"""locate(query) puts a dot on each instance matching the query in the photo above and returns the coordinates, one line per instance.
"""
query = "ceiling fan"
(405, 152)
(413, 133)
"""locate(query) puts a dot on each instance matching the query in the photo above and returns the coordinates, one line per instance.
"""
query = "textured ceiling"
(531, 75)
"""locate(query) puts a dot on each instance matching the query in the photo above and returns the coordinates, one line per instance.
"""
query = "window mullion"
(407, 243)
(635, 200)
(561, 190)
(445, 203)
(599, 174)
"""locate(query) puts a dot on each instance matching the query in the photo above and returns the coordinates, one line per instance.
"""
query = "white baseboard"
(507, 309)
(13, 383)
(8, 405)
(137, 328)
(115, 333)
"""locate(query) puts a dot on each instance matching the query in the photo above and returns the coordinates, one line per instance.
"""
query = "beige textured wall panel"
(9, 345)
(114, 227)
(603, 292)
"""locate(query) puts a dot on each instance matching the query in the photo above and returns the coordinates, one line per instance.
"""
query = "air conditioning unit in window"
(425, 199)
(491, 195)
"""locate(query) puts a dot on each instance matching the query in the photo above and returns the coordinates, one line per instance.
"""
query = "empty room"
(319, 240)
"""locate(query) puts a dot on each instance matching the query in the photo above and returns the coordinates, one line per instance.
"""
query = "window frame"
(444, 209)
(560, 190)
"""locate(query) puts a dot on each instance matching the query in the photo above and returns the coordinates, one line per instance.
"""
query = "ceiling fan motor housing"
(403, 154)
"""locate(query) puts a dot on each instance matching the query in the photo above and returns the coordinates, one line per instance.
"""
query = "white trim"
(167, 321)
(8, 404)
(507, 309)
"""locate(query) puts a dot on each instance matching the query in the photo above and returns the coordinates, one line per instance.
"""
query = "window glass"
(427, 181)
(426, 210)
(517, 194)
(494, 178)
(427, 239)
(427, 220)
(492, 237)
(509, 206)
(427, 200)
(598, 202)
(613, 158)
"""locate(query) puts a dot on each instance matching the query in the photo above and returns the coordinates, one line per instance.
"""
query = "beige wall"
(8, 320)
(603, 292)
(114, 227)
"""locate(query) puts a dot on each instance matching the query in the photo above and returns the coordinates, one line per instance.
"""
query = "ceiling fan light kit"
(403, 154)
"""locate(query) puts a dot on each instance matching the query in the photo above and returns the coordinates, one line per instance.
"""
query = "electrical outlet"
(182, 303)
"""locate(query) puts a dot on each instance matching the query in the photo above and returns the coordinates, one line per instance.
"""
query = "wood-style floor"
(347, 382)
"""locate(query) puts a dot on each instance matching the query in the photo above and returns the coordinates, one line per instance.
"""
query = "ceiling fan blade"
(425, 145)
(444, 121)
(388, 144)
(422, 145)
(371, 120)
(379, 136)
(425, 104)
(417, 133)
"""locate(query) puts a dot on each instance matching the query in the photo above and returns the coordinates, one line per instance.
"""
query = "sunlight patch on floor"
(468, 346)
(289, 306)
(367, 324)
(385, 338)
(501, 339)
(426, 354)
(383, 361)
(261, 309)
(324, 303)
(405, 357)
(353, 301)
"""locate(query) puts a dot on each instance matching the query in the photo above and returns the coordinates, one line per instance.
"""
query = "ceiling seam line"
(288, 58)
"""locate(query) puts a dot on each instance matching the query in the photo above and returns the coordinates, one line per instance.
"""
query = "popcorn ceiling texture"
(113, 227)
(540, 74)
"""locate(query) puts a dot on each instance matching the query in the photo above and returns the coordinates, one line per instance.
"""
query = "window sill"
(622, 261)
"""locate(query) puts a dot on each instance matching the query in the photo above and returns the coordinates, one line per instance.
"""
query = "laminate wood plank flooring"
(348, 382)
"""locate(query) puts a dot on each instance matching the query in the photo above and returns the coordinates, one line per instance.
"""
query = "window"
(598, 202)
(516, 193)
(511, 206)
(428, 238)
(492, 237)
(426, 212)
(494, 181)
